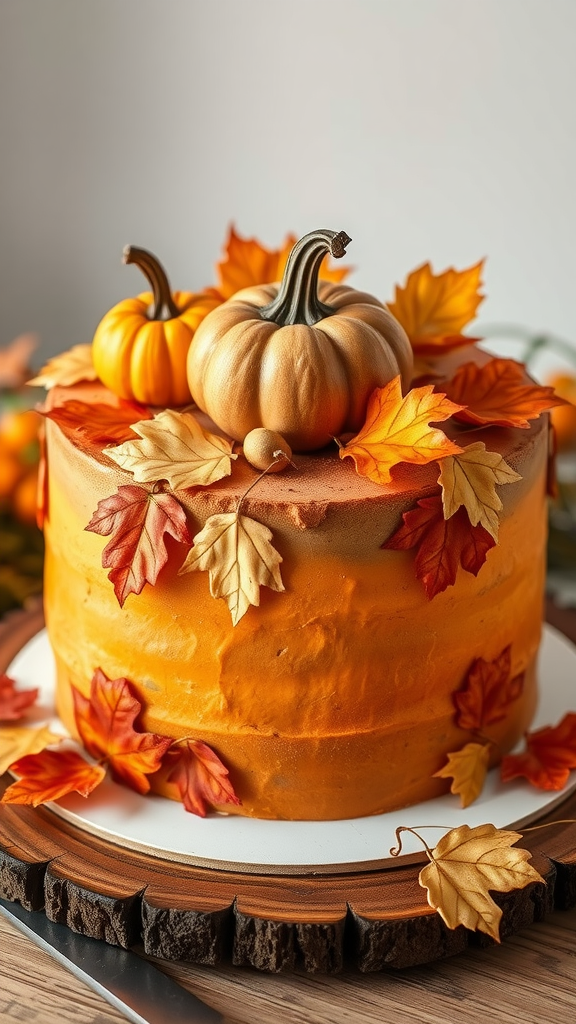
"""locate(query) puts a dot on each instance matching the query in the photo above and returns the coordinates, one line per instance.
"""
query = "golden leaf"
(467, 768)
(68, 368)
(17, 741)
(470, 479)
(465, 865)
(174, 447)
(398, 429)
(237, 552)
(433, 308)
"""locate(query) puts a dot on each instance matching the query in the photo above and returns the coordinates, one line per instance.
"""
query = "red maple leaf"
(200, 776)
(137, 521)
(84, 423)
(13, 702)
(498, 393)
(549, 757)
(50, 775)
(105, 722)
(443, 544)
(488, 692)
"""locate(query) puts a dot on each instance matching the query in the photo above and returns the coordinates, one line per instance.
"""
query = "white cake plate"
(162, 828)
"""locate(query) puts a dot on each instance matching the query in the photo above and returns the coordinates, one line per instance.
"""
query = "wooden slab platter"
(375, 919)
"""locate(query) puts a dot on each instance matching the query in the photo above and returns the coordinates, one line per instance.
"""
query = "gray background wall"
(428, 129)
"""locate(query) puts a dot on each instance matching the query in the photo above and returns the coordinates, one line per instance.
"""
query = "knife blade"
(128, 982)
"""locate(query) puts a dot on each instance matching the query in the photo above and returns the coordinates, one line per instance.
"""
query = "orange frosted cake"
(336, 614)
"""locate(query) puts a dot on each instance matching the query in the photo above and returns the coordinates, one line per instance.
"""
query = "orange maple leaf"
(200, 776)
(137, 521)
(13, 702)
(549, 757)
(249, 263)
(397, 429)
(443, 544)
(467, 768)
(98, 424)
(498, 393)
(50, 775)
(488, 692)
(433, 308)
(105, 722)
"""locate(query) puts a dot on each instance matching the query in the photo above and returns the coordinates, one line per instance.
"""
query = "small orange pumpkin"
(140, 354)
(297, 358)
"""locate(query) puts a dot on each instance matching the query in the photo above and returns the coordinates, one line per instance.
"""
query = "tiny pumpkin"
(298, 358)
(141, 354)
(267, 450)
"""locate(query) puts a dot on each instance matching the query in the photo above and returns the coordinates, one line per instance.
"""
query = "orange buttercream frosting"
(333, 699)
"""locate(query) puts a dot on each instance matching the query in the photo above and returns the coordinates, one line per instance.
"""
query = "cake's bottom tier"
(346, 776)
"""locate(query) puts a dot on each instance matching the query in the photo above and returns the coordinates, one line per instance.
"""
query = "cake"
(331, 691)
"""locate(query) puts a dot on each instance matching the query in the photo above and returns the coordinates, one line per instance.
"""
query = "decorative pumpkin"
(266, 450)
(140, 353)
(297, 358)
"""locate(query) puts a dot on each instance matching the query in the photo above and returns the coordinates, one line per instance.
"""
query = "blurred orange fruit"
(19, 428)
(10, 472)
(564, 416)
(24, 497)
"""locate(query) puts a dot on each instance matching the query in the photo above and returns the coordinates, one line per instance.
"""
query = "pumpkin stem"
(156, 276)
(297, 301)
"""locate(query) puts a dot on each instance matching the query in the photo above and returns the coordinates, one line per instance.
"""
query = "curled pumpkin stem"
(164, 306)
(297, 301)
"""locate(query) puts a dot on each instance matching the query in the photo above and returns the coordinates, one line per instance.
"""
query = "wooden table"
(530, 978)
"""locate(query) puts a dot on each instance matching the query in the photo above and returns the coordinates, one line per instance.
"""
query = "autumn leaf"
(238, 554)
(174, 447)
(15, 361)
(498, 393)
(470, 478)
(467, 768)
(13, 702)
(200, 776)
(549, 757)
(16, 741)
(137, 521)
(68, 368)
(488, 693)
(433, 308)
(50, 775)
(443, 544)
(465, 866)
(97, 423)
(105, 722)
(397, 429)
(248, 263)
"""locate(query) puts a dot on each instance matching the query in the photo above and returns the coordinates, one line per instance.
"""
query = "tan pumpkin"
(296, 358)
(141, 345)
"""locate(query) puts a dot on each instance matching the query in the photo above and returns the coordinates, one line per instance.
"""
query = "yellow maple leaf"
(470, 479)
(249, 263)
(238, 554)
(397, 429)
(174, 447)
(465, 865)
(16, 741)
(433, 308)
(68, 368)
(467, 768)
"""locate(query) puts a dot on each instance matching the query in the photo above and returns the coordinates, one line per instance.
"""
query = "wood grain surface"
(530, 979)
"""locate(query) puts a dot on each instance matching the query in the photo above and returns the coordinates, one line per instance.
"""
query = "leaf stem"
(395, 851)
(258, 479)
